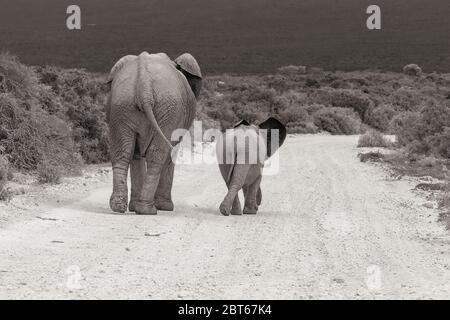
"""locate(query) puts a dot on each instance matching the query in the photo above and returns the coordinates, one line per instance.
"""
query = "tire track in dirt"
(325, 219)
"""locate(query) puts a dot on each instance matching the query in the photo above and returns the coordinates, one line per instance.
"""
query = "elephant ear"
(118, 66)
(241, 123)
(276, 129)
(189, 67)
(188, 64)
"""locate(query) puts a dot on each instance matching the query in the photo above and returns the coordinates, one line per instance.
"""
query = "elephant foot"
(145, 208)
(164, 205)
(250, 210)
(224, 209)
(118, 204)
(132, 205)
(236, 211)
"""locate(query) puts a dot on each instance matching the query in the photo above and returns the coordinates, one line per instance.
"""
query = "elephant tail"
(145, 95)
(259, 197)
(234, 159)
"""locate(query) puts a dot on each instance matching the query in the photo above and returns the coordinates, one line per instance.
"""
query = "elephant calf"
(241, 154)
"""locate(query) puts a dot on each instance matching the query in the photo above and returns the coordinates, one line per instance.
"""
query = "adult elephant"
(150, 97)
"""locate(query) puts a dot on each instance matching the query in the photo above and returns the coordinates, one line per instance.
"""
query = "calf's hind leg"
(251, 197)
(236, 183)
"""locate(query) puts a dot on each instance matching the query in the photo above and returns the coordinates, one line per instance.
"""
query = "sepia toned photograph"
(224, 150)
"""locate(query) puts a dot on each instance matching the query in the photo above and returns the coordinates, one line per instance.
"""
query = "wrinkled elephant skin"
(150, 97)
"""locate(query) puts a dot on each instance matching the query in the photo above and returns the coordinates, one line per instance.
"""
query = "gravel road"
(329, 227)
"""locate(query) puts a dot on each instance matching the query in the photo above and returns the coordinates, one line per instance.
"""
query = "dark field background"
(231, 36)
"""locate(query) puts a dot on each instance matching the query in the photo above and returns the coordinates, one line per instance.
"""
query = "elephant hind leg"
(163, 195)
(156, 157)
(138, 172)
(236, 209)
(236, 183)
(122, 149)
(252, 200)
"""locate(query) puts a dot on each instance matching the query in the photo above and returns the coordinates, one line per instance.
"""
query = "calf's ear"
(275, 130)
(241, 123)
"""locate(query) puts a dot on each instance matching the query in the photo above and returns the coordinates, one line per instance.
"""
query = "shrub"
(16, 78)
(426, 131)
(312, 83)
(82, 97)
(408, 127)
(408, 99)
(371, 156)
(49, 172)
(33, 120)
(90, 131)
(371, 139)
(380, 117)
(338, 121)
(412, 70)
(5, 193)
(440, 143)
(302, 127)
(4, 169)
(353, 99)
(344, 98)
(297, 119)
(292, 70)
(35, 135)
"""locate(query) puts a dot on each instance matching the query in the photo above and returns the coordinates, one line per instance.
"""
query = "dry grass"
(5, 175)
(371, 156)
(444, 217)
(373, 139)
(444, 205)
(418, 166)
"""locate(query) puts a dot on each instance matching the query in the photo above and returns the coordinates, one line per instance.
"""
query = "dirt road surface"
(329, 227)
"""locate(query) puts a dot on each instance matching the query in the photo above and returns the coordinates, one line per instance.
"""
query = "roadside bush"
(344, 98)
(338, 121)
(90, 131)
(16, 78)
(297, 119)
(34, 135)
(33, 121)
(82, 98)
(353, 99)
(407, 99)
(5, 172)
(4, 169)
(410, 131)
(380, 117)
(49, 172)
(371, 139)
(426, 131)
(440, 143)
